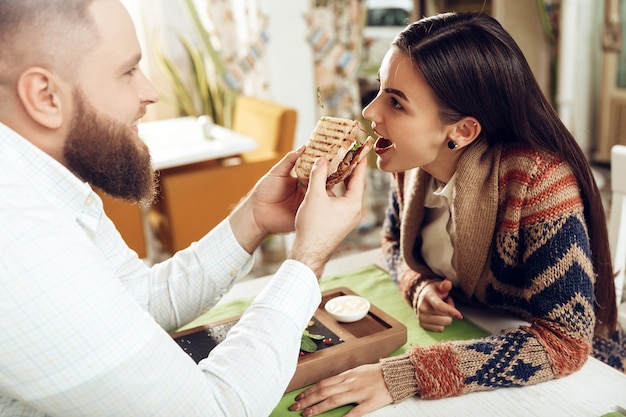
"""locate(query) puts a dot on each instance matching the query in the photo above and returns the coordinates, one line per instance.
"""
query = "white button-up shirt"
(83, 321)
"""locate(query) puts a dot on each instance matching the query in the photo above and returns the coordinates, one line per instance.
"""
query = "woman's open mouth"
(382, 145)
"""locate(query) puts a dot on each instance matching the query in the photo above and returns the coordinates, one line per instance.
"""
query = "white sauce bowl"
(347, 308)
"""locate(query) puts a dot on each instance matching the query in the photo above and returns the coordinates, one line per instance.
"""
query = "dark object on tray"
(199, 341)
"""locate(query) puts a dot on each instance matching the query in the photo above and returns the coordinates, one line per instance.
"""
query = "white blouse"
(438, 232)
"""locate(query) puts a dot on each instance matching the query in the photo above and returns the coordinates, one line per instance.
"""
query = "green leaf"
(199, 73)
(307, 344)
(202, 90)
(356, 146)
(313, 336)
(204, 36)
(183, 98)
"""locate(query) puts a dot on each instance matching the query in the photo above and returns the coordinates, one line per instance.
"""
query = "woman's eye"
(396, 104)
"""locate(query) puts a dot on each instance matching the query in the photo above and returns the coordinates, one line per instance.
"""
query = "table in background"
(181, 141)
(592, 391)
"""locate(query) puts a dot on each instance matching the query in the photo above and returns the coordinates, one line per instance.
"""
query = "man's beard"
(109, 155)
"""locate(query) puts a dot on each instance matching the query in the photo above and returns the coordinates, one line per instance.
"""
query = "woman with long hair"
(492, 203)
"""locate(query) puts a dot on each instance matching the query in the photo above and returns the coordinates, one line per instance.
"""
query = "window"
(387, 17)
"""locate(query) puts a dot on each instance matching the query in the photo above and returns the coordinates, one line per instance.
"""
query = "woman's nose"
(369, 110)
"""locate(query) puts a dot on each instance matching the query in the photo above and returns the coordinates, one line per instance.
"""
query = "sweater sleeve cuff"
(400, 378)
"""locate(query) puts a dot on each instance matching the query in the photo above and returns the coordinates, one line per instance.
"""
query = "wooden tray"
(375, 336)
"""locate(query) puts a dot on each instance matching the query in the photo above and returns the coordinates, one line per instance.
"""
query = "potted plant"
(202, 91)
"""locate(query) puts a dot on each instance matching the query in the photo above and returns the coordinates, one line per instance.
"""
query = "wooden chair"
(617, 224)
(272, 125)
(128, 220)
(195, 198)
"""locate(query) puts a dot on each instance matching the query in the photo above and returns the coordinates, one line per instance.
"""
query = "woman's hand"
(435, 306)
(363, 385)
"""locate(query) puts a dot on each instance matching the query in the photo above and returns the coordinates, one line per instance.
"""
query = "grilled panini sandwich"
(342, 142)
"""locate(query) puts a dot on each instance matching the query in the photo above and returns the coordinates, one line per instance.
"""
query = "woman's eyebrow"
(396, 92)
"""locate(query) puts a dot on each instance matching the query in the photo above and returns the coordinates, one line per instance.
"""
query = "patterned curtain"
(237, 29)
(336, 37)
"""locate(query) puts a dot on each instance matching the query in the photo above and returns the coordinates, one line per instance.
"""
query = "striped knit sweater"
(521, 247)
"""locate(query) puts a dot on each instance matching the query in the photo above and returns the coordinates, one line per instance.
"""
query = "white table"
(592, 391)
(181, 141)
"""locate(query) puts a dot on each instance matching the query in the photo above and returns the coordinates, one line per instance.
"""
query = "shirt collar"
(440, 194)
(55, 183)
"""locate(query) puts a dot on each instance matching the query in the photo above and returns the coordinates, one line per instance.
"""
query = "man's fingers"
(356, 181)
(284, 166)
(319, 173)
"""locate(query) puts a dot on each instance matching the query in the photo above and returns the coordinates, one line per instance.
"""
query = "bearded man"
(83, 321)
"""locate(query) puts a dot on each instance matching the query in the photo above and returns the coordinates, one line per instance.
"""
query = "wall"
(291, 63)
(578, 63)
(577, 87)
(580, 69)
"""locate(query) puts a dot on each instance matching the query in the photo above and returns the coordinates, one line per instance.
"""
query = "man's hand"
(324, 219)
(271, 205)
(435, 307)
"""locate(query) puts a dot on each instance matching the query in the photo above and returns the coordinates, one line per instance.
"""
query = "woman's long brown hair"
(474, 67)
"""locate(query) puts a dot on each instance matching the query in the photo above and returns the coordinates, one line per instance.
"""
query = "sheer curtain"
(237, 30)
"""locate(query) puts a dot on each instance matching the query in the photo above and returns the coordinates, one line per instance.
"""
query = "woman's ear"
(38, 91)
(465, 131)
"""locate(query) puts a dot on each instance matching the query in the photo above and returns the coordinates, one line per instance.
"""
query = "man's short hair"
(53, 34)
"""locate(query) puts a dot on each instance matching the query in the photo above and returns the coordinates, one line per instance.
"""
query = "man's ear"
(38, 91)
(465, 131)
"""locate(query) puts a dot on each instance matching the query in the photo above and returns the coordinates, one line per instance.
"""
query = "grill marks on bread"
(333, 139)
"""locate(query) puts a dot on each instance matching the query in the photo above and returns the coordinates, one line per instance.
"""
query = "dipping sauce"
(347, 308)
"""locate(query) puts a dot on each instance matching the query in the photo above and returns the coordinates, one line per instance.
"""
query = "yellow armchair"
(128, 220)
(196, 197)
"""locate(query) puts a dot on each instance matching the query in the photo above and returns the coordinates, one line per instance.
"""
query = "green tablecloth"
(377, 286)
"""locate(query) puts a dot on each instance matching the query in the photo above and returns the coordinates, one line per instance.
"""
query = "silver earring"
(474, 123)
(452, 144)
